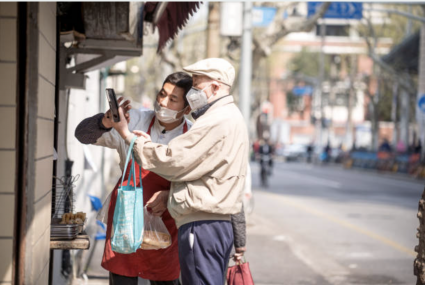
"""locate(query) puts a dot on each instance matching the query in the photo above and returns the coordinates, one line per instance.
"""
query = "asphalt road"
(327, 225)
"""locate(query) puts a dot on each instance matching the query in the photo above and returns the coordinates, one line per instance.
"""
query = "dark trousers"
(115, 279)
(204, 250)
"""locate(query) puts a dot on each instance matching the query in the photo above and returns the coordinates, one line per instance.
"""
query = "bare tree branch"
(402, 78)
(303, 26)
(373, 34)
(167, 60)
(263, 45)
(308, 24)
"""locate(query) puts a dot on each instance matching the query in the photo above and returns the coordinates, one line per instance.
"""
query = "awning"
(174, 17)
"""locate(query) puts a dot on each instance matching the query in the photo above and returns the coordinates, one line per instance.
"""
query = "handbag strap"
(130, 153)
(132, 169)
(132, 172)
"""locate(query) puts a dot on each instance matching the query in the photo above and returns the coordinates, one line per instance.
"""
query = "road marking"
(361, 255)
(355, 228)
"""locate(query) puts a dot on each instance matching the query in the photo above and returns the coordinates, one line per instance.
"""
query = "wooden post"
(213, 37)
(419, 263)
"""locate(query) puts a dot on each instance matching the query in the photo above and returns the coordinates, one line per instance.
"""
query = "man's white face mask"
(197, 98)
(166, 115)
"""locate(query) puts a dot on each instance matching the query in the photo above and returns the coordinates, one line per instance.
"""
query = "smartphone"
(113, 104)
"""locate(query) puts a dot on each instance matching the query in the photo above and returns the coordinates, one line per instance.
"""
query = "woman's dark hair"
(182, 80)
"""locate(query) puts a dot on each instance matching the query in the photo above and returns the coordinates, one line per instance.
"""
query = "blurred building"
(296, 114)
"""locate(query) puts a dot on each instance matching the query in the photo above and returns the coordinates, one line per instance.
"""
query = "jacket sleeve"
(239, 229)
(92, 131)
(187, 157)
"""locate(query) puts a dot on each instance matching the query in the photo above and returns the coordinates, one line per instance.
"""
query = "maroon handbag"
(239, 274)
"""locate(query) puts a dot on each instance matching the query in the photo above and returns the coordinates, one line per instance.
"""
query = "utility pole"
(350, 102)
(319, 123)
(405, 114)
(394, 112)
(409, 24)
(404, 100)
(246, 63)
(420, 116)
(213, 37)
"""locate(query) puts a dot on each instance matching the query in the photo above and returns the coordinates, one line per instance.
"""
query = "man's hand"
(122, 126)
(107, 117)
(240, 251)
(158, 202)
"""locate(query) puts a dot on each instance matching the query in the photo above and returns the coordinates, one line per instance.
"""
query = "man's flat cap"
(215, 68)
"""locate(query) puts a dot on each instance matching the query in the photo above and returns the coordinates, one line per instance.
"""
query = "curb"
(398, 176)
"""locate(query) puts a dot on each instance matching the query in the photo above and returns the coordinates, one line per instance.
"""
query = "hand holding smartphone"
(113, 104)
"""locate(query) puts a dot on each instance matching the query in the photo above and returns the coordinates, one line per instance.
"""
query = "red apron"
(157, 265)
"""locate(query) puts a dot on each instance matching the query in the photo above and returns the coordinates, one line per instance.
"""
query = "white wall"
(83, 104)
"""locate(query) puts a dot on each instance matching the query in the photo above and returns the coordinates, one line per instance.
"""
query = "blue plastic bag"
(127, 226)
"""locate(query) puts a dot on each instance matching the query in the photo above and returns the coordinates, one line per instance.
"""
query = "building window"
(334, 30)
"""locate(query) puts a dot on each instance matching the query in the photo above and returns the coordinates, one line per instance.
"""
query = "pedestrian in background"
(385, 146)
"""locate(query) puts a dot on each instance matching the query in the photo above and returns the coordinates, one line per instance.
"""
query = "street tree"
(396, 28)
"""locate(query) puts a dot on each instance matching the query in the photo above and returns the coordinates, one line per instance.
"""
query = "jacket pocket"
(179, 192)
(178, 204)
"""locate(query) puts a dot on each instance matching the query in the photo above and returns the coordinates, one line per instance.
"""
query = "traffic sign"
(338, 10)
(421, 103)
(262, 16)
(302, 90)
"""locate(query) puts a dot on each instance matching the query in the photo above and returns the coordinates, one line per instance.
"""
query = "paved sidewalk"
(271, 259)
(96, 274)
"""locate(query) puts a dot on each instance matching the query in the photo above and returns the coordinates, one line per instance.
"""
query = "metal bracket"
(73, 77)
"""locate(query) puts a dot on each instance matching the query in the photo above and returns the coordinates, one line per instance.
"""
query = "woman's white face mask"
(166, 115)
(197, 98)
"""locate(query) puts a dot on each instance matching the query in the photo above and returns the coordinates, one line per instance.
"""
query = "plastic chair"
(96, 204)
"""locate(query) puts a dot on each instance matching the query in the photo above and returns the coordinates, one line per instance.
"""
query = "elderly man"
(207, 168)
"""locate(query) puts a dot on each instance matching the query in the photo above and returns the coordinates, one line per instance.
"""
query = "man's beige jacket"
(206, 166)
